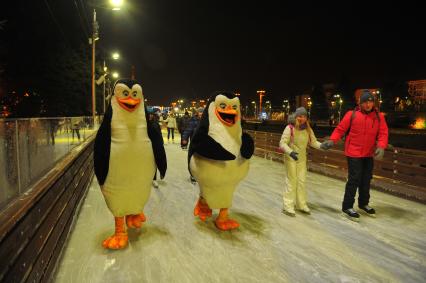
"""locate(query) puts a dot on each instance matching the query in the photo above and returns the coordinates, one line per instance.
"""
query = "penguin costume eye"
(125, 93)
(222, 105)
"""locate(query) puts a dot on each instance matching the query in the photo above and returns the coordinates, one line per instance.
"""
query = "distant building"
(304, 99)
(330, 89)
(417, 93)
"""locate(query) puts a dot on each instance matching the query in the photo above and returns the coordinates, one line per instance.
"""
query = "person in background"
(295, 139)
(171, 126)
(182, 124)
(366, 134)
(190, 128)
(154, 119)
(75, 127)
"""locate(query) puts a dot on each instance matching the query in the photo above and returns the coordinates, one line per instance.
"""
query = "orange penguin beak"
(129, 104)
(227, 116)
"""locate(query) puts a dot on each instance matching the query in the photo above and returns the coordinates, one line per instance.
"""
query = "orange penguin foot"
(226, 224)
(202, 209)
(116, 241)
(135, 220)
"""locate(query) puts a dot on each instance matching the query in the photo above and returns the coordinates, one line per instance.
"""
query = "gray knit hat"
(291, 119)
(366, 96)
(300, 111)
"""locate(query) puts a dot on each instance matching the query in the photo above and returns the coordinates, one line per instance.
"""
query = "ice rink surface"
(174, 246)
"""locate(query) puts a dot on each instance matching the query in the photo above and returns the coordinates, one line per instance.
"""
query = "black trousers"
(172, 130)
(360, 172)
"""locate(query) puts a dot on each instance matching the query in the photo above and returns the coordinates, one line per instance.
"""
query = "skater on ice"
(366, 136)
(295, 139)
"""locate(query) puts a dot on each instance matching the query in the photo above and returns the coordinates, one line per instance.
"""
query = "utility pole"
(133, 73)
(95, 37)
(103, 97)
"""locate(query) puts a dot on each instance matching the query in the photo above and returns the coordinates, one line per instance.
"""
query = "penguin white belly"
(131, 170)
(218, 179)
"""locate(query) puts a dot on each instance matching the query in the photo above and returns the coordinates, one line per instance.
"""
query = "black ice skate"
(193, 181)
(369, 210)
(351, 214)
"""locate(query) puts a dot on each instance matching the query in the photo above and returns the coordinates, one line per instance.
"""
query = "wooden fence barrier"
(35, 226)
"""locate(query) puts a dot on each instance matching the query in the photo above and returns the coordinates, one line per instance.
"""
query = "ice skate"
(351, 214)
(305, 210)
(289, 212)
(369, 210)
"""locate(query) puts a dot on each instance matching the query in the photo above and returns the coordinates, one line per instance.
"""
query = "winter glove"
(293, 155)
(379, 153)
(327, 145)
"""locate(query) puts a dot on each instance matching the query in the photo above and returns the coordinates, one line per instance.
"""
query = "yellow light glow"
(116, 56)
(116, 4)
(419, 124)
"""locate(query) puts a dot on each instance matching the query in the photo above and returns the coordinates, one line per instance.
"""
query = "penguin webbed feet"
(202, 209)
(135, 220)
(116, 241)
(120, 238)
(224, 223)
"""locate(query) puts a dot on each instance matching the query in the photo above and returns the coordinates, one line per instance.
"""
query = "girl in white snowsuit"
(294, 141)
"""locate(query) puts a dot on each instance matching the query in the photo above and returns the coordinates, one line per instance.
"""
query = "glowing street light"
(115, 75)
(116, 56)
(116, 4)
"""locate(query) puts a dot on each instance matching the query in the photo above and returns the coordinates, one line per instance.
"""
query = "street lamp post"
(95, 36)
(93, 41)
(255, 108)
(261, 94)
(103, 96)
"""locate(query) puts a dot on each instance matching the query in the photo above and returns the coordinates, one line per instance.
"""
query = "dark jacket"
(188, 131)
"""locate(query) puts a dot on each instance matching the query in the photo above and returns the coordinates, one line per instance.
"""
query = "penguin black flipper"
(102, 147)
(207, 147)
(247, 146)
(157, 146)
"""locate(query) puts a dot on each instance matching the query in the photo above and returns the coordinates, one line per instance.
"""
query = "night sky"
(190, 48)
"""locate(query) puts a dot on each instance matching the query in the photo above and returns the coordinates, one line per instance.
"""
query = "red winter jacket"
(361, 140)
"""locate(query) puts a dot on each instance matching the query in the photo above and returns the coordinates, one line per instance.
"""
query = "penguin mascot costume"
(218, 157)
(128, 150)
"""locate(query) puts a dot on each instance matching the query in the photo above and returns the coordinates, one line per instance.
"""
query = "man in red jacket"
(366, 136)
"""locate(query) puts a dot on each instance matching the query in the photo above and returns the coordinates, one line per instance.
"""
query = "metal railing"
(29, 148)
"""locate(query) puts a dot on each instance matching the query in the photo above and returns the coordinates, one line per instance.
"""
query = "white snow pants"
(294, 191)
